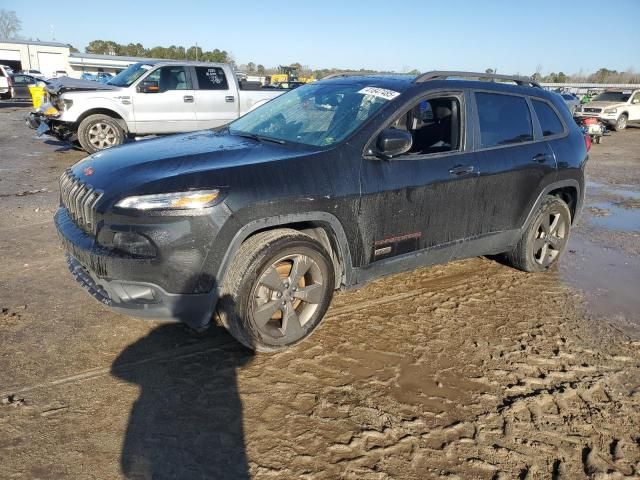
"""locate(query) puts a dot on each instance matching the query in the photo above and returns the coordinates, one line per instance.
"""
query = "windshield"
(314, 114)
(129, 75)
(612, 97)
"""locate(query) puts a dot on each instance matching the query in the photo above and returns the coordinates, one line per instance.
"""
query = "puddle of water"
(619, 218)
(627, 191)
(609, 278)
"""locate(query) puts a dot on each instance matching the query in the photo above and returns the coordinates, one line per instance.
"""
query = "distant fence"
(584, 87)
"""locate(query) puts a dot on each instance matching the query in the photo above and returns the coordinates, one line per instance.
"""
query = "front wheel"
(544, 241)
(277, 290)
(97, 132)
(621, 123)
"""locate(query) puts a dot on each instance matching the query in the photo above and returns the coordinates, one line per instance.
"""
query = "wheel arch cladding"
(322, 226)
(569, 195)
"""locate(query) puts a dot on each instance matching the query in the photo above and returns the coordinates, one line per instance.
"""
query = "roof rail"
(347, 74)
(439, 75)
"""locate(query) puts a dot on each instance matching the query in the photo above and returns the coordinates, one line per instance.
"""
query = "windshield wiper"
(258, 138)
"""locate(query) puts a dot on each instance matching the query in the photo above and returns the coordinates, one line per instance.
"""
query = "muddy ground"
(469, 370)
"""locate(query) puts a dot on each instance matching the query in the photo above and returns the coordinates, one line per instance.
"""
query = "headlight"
(178, 200)
(610, 110)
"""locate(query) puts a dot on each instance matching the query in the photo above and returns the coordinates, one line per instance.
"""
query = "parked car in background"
(571, 100)
(616, 108)
(33, 73)
(103, 77)
(87, 76)
(329, 186)
(7, 69)
(146, 98)
(59, 73)
(5, 84)
(21, 84)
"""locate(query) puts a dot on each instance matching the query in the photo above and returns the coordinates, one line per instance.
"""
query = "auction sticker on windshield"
(379, 92)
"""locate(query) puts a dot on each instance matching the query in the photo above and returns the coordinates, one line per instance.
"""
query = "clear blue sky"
(512, 36)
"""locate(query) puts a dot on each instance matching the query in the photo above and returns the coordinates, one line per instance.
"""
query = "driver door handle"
(541, 157)
(461, 170)
(229, 99)
(188, 98)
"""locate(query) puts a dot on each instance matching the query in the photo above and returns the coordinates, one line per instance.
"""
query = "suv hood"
(175, 163)
(66, 84)
(602, 104)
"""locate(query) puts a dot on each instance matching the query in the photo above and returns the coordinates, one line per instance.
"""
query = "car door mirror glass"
(392, 142)
(149, 86)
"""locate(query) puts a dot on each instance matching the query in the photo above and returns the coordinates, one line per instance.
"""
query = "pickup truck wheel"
(97, 132)
(544, 241)
(277, 290)
(621, 123)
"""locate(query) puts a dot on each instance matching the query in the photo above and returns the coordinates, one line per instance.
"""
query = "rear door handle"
(229, 99)
(461, 170)
(188, 98)
(541, 157)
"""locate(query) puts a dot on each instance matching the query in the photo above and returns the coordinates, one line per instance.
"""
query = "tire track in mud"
(190, 351)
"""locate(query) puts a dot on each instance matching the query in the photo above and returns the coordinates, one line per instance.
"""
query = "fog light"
(133, 243)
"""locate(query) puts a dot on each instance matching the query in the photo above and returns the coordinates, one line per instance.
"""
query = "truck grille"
(80, 200)
(593, 110)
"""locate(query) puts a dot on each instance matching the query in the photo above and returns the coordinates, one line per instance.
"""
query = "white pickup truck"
(5, 84)
(616, 108)
(155, 97)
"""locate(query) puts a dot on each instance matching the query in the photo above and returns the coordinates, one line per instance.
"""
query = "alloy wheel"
(286, 296)
(551, 236)
(102, 135)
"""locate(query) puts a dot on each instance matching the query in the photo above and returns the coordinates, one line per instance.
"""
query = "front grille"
(593, 110)
(80, 200)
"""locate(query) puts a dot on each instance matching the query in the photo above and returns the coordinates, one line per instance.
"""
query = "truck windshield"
(315, 114)
(612, 97)
(129, 75)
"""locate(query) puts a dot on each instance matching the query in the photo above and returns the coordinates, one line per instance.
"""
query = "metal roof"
(33, 42)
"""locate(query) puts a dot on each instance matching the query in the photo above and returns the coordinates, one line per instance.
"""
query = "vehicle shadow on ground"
(187, 422)
(62, 145)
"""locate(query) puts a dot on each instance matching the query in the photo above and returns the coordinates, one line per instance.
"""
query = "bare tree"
(10, 24)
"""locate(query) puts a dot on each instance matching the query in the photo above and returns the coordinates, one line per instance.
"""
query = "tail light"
(587, 142)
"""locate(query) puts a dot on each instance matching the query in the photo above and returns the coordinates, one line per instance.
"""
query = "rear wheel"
(97, 132)
(544, 241)
(277, 290)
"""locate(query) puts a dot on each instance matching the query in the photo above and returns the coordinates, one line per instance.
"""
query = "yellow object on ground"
(37, 95)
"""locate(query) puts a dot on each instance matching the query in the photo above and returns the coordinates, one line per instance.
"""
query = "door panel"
(171, 108)
(215, 97)
(424, 198)
(408, 205)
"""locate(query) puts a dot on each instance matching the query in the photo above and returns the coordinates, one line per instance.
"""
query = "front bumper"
(608, 118)
(100, 272)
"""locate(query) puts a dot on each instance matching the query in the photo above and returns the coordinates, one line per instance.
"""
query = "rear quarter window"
(211, 78)
(549, 121)
(503, 119)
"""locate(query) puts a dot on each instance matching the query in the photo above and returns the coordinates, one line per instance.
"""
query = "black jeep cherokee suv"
(328, 186)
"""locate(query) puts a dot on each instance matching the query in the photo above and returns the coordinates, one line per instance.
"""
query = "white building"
(49, 57)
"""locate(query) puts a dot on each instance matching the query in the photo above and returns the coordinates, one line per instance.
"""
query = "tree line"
(173, 52)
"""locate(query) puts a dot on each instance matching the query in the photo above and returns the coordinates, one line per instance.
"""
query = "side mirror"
(149, 86)
(393, 142)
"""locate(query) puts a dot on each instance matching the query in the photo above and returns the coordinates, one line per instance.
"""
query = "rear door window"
(503, 119)
(211, 78)
(549, 121)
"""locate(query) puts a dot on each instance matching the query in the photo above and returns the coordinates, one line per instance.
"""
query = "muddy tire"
(621, 123)
(544, 241)
(5, 96)
(97, 132)
(276, 290)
